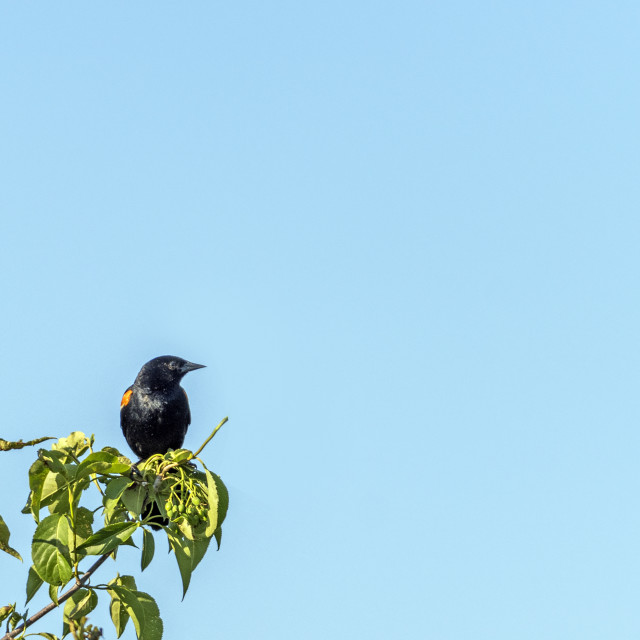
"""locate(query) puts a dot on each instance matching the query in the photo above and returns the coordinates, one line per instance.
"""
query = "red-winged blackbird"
(155, 415)
(154, 412)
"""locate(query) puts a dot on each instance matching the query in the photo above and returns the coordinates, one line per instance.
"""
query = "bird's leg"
(135, 471)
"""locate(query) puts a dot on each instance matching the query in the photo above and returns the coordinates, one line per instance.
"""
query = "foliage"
(165, 492)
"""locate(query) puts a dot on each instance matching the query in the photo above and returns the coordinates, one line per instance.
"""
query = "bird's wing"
(188, 409)
(126, 397)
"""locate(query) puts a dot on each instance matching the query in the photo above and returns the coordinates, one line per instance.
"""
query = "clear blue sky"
(404, 237)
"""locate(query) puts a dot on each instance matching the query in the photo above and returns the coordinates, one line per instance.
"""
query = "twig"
(206, 442)
(50, 607)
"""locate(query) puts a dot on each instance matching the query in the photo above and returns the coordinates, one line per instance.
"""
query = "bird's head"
(164, 372)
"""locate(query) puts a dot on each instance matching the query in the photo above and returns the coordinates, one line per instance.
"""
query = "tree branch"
(50, 607)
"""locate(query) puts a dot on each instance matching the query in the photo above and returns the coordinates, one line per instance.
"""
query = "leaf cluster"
(165, 492)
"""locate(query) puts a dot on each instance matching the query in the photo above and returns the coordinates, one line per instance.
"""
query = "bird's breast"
(152, 401)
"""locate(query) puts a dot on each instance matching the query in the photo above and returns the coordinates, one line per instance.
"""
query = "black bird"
(154, 412)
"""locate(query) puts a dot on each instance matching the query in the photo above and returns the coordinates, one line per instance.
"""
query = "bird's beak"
(191, 366)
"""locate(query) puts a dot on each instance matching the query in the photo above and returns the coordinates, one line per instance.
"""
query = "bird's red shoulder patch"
(125, 398)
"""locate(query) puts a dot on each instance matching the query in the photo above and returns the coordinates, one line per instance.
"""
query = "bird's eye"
(172, 365)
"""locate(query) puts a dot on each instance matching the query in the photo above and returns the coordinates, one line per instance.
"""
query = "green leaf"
(48, 636)
(218, 536)
(198, 550)
(150, 622)
(83, 522)
(148, 548)
(115, 487)
(117, 454)
(181, 547)
(34, 582)
(188, 555)
(134, 497)
(100, 462)
(179, 455)
(6, 611)
(6, 445)
(124, 581)
(75, 444)
(107, 539)
(27, 507)
(50, 550)
(119, 514)
(83, 519)
(218, 502)
(143, 611)
(53, 594)
(80, 604)
(14, 620)
(53, 489)
(37, 474)
(113, 492)
(186, 528)
(119, 614)
(55, 460)
(58, 502)
(4, 541)
(190, 531)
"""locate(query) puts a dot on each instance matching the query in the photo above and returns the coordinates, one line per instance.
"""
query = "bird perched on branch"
(154, 412)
